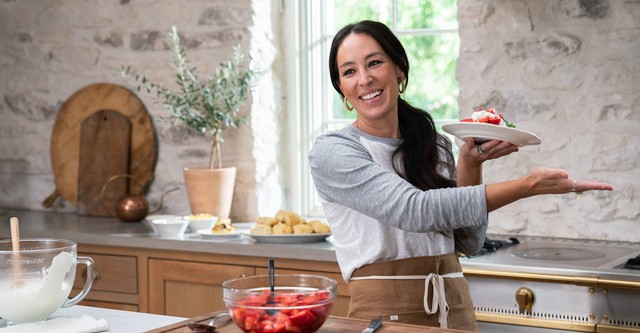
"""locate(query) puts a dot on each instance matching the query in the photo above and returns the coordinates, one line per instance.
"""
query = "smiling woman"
(391, 177)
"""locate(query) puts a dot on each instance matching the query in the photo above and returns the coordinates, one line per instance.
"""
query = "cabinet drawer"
(114, 273)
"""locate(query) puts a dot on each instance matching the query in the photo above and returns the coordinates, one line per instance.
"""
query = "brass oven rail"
(535, 322)
(593, 281)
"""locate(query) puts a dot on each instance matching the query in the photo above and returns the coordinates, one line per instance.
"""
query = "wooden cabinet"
(188, 289)
(116, 281)
(182, 283)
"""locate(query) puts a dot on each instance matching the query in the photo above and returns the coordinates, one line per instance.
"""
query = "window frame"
(304, 24)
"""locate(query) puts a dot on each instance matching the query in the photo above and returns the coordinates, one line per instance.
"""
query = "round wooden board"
(65, 137)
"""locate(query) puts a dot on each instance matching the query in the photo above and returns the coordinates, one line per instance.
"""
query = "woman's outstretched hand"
(537, 182)
(557, 181)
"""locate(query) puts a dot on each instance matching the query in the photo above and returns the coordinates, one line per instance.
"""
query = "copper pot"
(133, 207)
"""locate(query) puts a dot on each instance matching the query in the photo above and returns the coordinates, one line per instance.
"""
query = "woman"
(398, 206)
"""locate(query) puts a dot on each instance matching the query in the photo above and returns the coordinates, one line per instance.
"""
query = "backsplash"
(568, 72)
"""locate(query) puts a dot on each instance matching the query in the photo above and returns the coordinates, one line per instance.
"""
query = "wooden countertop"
(332, 325)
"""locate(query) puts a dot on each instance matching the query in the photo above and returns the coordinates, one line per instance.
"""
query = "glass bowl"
(300, 303)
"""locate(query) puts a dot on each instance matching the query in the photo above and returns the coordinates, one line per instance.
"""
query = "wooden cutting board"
(65, 137)
(332, 325)
(105, 138)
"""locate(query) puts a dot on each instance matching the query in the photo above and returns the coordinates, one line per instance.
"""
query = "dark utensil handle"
(271, 274)
(373, 326)
(271, 312)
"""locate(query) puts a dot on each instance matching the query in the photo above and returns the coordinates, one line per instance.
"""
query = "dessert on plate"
(488, 116)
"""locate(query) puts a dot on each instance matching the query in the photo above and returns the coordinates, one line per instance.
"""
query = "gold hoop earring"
(347, 105)
(402, 87)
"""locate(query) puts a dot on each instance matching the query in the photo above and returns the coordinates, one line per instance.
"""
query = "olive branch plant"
(207, 106)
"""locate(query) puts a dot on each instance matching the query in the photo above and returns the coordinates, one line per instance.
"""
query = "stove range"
(549, 255)
(555, 284)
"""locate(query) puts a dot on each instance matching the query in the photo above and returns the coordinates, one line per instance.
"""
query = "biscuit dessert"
(287, 222)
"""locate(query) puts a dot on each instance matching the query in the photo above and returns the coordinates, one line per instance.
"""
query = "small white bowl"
(169, 227)
(200, 223)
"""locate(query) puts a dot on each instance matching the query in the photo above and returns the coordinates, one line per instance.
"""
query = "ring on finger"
(480, 150)
(574, 189)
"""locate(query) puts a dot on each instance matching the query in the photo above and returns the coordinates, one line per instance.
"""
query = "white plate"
(284, 239)
(485, 132)
(207, 234)
(243, 225)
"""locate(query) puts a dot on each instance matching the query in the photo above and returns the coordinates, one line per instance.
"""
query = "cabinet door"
(188, 289)
(340, 305)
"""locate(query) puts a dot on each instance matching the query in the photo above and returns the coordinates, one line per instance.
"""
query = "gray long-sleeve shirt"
(375, 215)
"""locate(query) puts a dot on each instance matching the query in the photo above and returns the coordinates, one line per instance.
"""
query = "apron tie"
(438, 298)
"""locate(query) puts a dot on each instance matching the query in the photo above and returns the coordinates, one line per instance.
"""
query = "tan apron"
(428, 291)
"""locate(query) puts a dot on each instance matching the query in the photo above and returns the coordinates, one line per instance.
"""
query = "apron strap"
(438, 298)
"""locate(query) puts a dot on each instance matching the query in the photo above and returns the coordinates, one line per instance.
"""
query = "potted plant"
(207, 106)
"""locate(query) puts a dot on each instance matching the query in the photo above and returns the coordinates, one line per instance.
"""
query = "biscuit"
(282, 229)
(319, 227)
(280, 215)
(291, 218)
(261, 229)
(266, 220)
(302, 228)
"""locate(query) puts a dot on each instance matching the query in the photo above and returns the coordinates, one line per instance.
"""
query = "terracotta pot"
(210, 190)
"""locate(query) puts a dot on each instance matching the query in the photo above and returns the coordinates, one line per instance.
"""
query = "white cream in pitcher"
(37, 297)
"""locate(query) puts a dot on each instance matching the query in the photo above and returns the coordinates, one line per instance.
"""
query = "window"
(428, 30)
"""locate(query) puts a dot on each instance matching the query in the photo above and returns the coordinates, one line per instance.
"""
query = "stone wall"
(51, 49)
(568, 71)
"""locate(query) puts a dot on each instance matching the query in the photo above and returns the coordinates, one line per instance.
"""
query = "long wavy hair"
(421, 146)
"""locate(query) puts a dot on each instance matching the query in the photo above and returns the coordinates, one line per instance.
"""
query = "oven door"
(524, 302)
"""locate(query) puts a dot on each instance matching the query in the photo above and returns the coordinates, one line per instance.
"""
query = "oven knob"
(525, 299)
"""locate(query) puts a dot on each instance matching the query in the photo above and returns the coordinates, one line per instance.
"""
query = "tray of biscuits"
(289, 227)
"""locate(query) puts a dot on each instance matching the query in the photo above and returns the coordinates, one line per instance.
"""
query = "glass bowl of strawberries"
(298, 303)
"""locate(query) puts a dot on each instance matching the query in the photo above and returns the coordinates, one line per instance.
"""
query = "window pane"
(349, 11)
(428, 31)
(427, 14)
(432, 82)
(432, 55)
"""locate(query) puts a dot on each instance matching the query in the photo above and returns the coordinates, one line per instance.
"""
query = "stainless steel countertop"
(110, 231)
